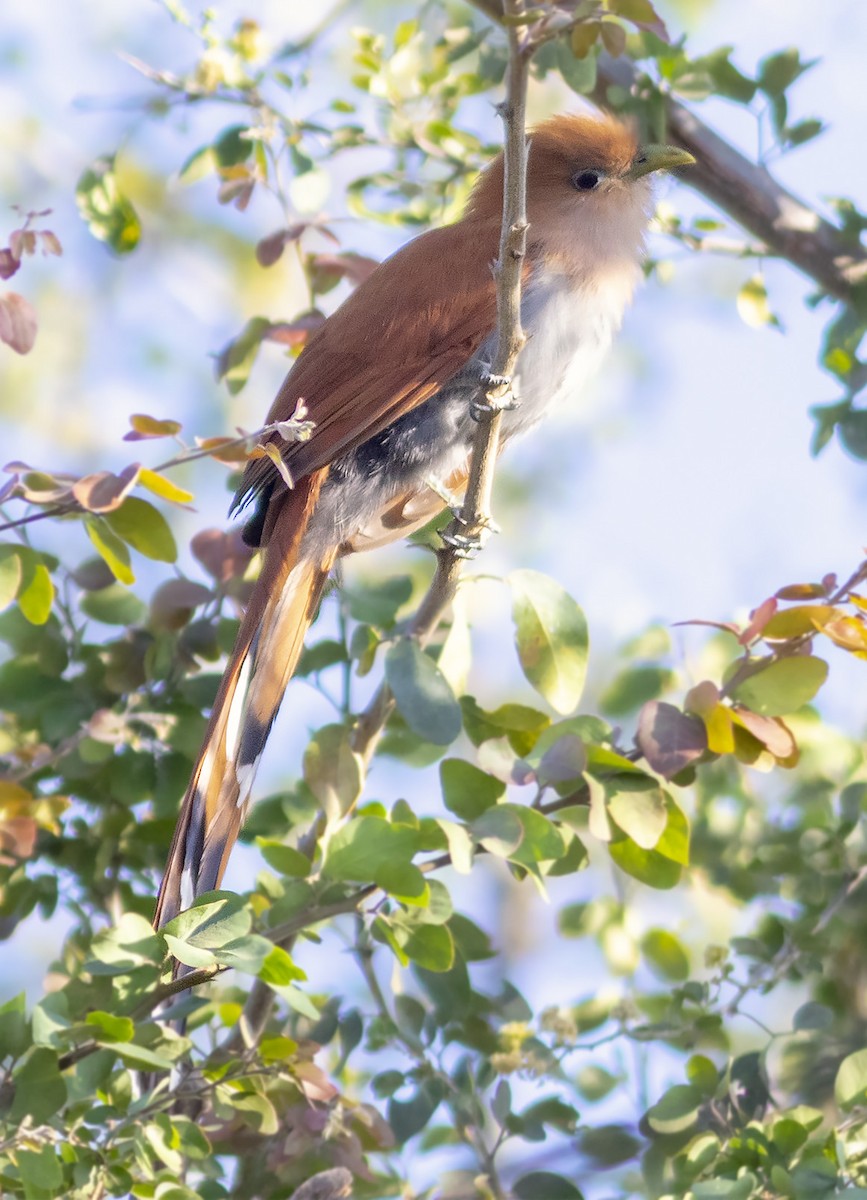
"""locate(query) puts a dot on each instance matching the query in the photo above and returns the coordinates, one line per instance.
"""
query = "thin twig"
(475, 517)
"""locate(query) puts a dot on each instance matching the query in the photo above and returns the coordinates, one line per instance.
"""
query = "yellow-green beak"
(658, 158)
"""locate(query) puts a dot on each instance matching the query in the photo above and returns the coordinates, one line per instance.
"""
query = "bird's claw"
(462, 545)
(466, 545)
(483, 408)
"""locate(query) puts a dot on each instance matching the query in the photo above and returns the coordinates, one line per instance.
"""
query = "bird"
(388, 382)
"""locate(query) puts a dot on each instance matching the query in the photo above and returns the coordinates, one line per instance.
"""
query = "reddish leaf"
(50, 243)
(92, 575)
(668, 739)
(354, 267)
(104, 492)
(173, 602)
(21, 242)
(225, 449)
(297, 332)
(725, 626)
(144, 426)
(9, 264)
(270, 248)
(18, 322)
(225, 556)
(17, 840)
(759, 618)
(770, 731)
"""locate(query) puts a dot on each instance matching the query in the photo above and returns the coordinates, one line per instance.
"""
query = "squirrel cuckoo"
(388, 381)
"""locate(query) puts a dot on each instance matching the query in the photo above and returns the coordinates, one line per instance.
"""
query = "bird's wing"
(403, 334)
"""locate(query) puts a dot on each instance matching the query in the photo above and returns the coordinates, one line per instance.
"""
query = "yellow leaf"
(160, 486)
(150, 427)
(720, 734)
(13, 797)
(753, 307)
(803, 618)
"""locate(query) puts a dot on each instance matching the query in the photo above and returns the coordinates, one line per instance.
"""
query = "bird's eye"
(586, 181)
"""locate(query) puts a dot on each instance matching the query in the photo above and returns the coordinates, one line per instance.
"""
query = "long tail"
(265, 655)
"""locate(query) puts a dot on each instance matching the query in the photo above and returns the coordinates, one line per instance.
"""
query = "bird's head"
(588, 186)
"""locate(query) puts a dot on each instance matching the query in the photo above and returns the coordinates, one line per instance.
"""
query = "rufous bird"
(388, 382)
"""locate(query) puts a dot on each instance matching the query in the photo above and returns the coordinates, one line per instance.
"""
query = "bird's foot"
(484, 408)
(467, 545)
(463, 545)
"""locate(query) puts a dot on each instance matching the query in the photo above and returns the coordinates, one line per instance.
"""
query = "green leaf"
(333, 771)
(235, 361)
(551, 638)
(111, 1028)
(405, 882)
(10, 575)
(409, 1117)
(367, 845)
(648, 866)
(113, 605)
(677, 1110)
(521, 724)
(216, 919)
(665, 956)
(500, 830)
(284, 859)
(111, 549)
(542, 841)
(634, 687)
(40, 1170)
(460, 845)
(248, 954)
(145, 528)
(36, 593)
(422, 693)
(279, 970)
(467, 791)
(232, 147)
(850, 1085)
(40, 1090)
(130, 944)
(431, 946)
(256, 1110)
(779, 71)
(14, 1032)
(379, 605)
(782, 687)
(642, 815)
(108, 214)
(544, 1185)
(142, 1056)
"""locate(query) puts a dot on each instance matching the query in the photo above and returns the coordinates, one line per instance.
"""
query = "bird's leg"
(449, 499)
(466, 545)
(506, 402)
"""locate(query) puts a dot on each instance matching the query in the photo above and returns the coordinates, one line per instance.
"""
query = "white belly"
(569, 331)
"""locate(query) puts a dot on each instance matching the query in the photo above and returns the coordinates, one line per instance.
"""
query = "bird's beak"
(658, 158)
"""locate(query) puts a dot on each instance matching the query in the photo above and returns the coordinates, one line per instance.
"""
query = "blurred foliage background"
(556, 1004)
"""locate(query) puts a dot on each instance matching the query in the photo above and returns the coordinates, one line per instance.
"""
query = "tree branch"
(475, 516)
(745, 191)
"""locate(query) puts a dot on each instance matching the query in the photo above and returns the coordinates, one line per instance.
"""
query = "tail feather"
(265, 655)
